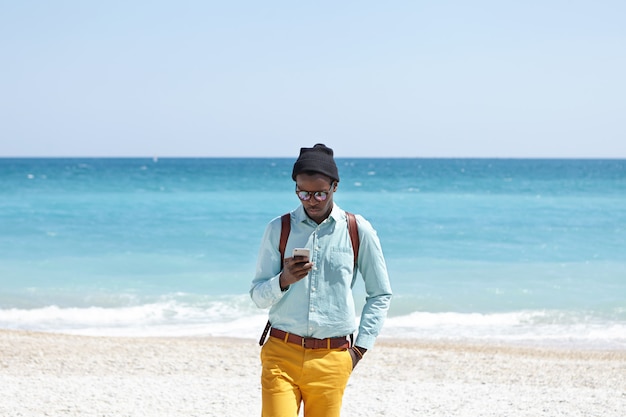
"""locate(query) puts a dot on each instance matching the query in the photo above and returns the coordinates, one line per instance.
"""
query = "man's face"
(316, 207)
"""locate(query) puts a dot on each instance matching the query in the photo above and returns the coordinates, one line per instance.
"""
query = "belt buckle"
(309, 343)
(303, 342)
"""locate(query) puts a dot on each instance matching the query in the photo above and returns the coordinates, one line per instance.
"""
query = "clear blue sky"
(263, 78)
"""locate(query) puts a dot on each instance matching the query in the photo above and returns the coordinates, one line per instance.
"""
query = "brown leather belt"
(311, 342)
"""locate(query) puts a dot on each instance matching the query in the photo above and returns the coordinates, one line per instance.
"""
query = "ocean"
(522, 251)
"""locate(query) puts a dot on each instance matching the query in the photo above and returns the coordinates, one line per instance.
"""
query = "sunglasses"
(318, 195)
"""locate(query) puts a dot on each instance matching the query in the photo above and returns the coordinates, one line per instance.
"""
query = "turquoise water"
(527, 251)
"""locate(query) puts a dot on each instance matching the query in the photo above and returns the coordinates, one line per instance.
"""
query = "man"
(308, 357)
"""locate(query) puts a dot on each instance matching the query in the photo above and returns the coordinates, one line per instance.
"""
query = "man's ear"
(335, 184)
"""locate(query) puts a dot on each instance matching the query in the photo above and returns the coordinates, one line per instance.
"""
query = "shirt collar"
(336, 214)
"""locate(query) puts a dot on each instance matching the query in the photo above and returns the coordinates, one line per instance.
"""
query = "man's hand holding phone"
(295, 268)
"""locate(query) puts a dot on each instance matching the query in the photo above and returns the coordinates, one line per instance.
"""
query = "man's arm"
(373, 269)
(265, 288)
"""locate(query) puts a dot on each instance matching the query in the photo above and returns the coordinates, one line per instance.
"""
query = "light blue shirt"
(321, 304)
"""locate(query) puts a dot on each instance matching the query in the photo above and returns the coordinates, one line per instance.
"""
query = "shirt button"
(312, 310)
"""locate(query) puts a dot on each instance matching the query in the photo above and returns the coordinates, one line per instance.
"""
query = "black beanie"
(316, 159)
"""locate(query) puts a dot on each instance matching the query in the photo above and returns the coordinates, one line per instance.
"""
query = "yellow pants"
(293, 375)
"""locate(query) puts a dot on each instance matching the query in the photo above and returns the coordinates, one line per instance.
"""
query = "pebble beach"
(46, 374)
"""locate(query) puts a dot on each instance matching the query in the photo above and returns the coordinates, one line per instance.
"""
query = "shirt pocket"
(341, 259)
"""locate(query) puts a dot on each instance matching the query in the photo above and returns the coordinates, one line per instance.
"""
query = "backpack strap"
(352, 229)
(354, 236)
(284, 234)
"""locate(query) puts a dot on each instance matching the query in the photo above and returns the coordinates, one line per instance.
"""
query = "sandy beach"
(59, 375)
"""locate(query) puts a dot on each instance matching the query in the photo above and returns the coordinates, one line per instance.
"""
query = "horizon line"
(157, 157)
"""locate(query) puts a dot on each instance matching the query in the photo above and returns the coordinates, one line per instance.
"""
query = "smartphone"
(302, 252)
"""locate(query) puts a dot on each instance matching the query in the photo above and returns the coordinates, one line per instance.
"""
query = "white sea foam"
(554, 328)
(168, 318)
(240, 319)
